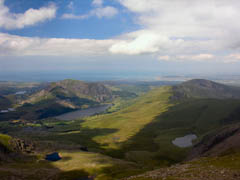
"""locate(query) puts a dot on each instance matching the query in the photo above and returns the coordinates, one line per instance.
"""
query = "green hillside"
(154, 121)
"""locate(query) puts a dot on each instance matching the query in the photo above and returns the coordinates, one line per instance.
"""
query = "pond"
(185, 141)
(53, 157)
(83, 113)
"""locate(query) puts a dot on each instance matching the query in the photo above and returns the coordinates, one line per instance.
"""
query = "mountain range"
(134, 138)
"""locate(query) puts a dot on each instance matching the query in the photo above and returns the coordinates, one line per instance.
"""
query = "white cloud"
(107, 12)
(232, 58)
(205, 28)
(24, 46)
(99, 11)
(164, 58)
(10, 20)
(194, 57)
(97, 2)
(72, 16)
(198, 57)
(141, 42)
(203, 57)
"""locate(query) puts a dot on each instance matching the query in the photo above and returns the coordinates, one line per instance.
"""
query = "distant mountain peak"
(201, 88)
(203, 83)
(199, 81)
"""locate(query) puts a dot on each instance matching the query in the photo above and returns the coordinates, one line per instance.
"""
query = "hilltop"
(95, 91)
(66, 96)
(58, 98)
(201, 88)
(70, 89)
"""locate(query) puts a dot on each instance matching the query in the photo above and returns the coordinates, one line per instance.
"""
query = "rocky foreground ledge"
(189, 172)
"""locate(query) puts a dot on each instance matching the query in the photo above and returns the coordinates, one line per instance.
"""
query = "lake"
(83, 113)
(21, 92)
(185, 141)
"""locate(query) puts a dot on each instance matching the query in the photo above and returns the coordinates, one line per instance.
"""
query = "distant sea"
(85, 76)
(105, 76)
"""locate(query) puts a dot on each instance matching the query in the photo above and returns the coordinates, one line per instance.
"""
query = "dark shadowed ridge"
(4, 102)
(220, 142)
(200, 88)
(95, 91)
(64, 96)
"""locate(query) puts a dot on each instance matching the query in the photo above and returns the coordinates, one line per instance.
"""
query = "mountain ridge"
(201, 88)
(61, 97)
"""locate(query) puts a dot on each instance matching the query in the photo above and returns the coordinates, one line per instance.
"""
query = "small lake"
(53, 157)
(83, 113)
(185, 141)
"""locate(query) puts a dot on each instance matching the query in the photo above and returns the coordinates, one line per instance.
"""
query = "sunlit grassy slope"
(154, 121)
(5, 141)
(74, 165)
(129, 121)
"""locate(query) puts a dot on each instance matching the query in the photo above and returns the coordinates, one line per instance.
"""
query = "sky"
(119, 38)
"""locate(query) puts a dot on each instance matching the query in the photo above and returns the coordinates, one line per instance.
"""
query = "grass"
(129, 121)
(73, 165)
(96, 164)
(5, 140)
(76, 164)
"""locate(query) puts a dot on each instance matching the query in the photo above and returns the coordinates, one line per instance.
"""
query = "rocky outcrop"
(214, 144)
(189, 172)
(22, 146)
(15, 149)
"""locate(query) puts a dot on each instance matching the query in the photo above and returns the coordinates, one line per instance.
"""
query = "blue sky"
(121, 37)
(92, 28)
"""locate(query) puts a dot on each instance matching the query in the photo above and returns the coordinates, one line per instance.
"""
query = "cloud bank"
(194, 29)
(173, 30)
(26, 46)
